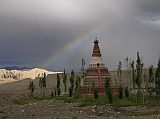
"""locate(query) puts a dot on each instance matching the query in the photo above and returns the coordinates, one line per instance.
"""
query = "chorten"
(96, 72)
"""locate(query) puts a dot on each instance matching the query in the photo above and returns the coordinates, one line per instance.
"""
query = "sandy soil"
(53, 109)
(7, 80)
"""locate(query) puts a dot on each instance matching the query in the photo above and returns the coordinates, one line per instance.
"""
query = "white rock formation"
(14, 75)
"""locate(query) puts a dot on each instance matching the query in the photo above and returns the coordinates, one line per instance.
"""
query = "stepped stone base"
(101, 90)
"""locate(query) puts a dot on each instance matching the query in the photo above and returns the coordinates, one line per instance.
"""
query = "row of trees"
(74, 85)
(42, 86)
(141, 82)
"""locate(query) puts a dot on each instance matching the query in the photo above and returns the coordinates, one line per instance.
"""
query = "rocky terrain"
(56, 109)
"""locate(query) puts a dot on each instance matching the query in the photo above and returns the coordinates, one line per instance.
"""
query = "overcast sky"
(32, 31)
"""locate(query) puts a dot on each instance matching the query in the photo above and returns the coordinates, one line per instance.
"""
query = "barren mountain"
(7, 76)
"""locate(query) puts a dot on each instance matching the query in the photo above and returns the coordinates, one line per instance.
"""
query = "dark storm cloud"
(148, 6)
(31, 31)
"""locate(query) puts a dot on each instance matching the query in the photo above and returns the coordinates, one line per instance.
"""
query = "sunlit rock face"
(7, 76)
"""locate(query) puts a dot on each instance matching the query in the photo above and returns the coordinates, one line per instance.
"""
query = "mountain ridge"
(15, 75)
(15, 68)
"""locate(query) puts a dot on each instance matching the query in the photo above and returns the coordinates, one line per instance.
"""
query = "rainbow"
(70, 45)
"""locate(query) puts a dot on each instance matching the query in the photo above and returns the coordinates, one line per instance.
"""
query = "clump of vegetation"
(95, 90)
(72, 83)
(133, 74)
(27, 100)
(120, 90)
(119, 72)
(55, 92)
(31, 87)
(58, 91)
(65, 80)
(139, 68)
(77, 86)
(151, 80)
(89, 100)
(157, 75)
(52, 94)
(126, 92)
(82, 67)
(58, 85)
(42, 84)
(108, 90)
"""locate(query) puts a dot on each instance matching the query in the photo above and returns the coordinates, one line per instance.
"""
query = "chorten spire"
(96, 49)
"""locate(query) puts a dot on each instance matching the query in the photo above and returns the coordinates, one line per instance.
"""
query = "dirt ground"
(54, 109)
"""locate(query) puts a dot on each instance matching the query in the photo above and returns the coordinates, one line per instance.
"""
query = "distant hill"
(15, 68)
(14, 75)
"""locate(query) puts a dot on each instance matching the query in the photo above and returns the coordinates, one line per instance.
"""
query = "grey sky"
(31, 31)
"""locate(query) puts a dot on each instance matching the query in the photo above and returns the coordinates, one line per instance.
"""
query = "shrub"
(52, 94)
(95, 90)
(120, 90)
(70, 91)
(31, 87)
(95, 93)
(108, 90)
(126, 91)
(58, 91)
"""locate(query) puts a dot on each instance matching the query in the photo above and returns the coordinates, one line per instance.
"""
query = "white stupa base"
(95, 61)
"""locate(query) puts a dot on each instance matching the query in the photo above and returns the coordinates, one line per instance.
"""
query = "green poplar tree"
(31, 87)
(52, 94)
(126, 91)
(58, 85)
(133, 74)
(65, 80)
(42, 84)
(95, 90)
(108, 90)
(157, 76)
(72, 78)
(151, 80)
(119, 72)
(139, 68)
(77, 86)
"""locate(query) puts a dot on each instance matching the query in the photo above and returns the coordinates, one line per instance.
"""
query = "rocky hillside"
(23, 74)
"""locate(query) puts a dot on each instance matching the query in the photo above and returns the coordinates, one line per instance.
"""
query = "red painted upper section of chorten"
(96, 49)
